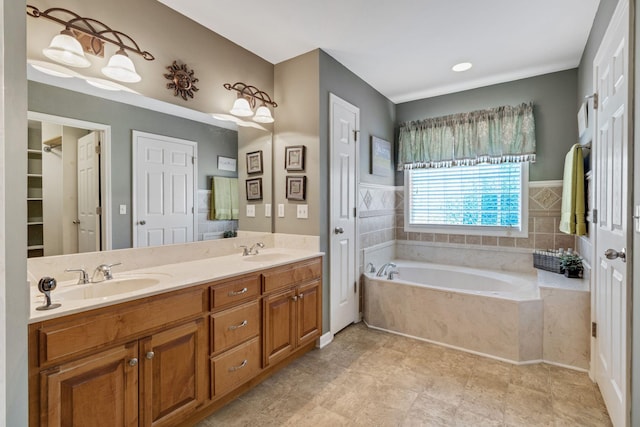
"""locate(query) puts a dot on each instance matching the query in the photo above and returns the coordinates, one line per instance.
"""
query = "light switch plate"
(303, 211)
(267, 210)
(251, 211)
(123, 209)
(281, 210)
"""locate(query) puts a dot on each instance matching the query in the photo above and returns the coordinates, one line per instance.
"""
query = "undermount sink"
(266, 257)
(108, 288)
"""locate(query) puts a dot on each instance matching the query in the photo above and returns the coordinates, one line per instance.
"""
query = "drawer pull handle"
(242, 365)
(236, 293)
(234, 327)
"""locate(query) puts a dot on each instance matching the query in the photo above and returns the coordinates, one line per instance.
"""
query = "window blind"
(487, 195)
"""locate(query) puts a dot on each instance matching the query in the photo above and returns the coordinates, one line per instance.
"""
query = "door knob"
(142, 222)
(76, 221)
(613, 254)
(338, 230)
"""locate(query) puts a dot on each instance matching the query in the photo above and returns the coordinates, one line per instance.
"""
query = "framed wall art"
(254, 189)
(254, 162)
(380, 157)
(227, 164)
(294, 158)
(296, 187)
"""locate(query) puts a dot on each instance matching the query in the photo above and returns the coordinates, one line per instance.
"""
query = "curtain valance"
(496, 135)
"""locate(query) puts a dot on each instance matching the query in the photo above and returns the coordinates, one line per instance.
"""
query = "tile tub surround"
(376, 214)
(545, 198)
(501, 328)
(137, 258)
(371, 378)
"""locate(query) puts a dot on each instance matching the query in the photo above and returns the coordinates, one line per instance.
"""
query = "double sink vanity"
(167, 343)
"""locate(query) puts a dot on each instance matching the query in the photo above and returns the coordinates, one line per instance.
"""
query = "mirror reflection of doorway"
(64, 198)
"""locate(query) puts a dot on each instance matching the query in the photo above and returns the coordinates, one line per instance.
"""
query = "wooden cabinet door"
(309, 312)
(173, 377)
(98, 390)
(279, 326)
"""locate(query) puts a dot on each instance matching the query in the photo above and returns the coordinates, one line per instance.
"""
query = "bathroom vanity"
(173, 357)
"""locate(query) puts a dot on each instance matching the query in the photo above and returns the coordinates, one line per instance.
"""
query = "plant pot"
(573, 274)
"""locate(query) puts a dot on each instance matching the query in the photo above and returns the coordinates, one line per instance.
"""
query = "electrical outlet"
(123, 209)
(303, 211)
(281, 210)
(267, 210)
(251, 211)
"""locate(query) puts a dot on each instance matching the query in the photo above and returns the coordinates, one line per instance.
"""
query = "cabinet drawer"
(234, 291)
(58, 340)
(235, 367)
(233, 326)
(297, 273)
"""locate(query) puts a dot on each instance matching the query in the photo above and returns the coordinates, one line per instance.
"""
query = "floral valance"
(496, 135)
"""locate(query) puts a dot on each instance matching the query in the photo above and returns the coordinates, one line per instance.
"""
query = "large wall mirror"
(64, 186)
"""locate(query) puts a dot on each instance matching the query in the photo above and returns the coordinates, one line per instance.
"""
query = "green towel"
(572, 216)
(220, 198)
(224, 198)
(233, 184)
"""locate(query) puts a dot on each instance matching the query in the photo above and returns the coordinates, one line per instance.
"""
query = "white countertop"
(170, 277)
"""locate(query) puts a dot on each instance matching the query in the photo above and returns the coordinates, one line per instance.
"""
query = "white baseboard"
(324, 340)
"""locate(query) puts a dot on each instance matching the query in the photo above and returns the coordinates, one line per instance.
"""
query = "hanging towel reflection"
(572, 218)
(224, 198)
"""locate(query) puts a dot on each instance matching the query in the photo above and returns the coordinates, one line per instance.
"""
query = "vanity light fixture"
(248, 97)
(87, 35)
(463, 66)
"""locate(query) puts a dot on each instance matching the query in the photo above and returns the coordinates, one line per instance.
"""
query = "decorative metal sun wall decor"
(182, 80)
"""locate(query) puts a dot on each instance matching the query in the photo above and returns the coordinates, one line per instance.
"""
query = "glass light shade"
(121, 68)
(66, 49)
(263, 115)
(241, 108)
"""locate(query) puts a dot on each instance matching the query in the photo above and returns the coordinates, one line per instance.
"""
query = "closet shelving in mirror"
(35, 224)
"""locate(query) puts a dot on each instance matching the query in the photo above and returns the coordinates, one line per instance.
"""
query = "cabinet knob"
(150, 355)
(300, 296)
(133, 362)
(294, 298)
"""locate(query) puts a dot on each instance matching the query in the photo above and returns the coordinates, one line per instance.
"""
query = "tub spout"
(383, 269)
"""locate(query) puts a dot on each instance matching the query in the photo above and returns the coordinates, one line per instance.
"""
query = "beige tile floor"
(370, 378)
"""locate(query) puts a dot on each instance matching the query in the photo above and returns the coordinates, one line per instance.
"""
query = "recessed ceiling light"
(463, 66)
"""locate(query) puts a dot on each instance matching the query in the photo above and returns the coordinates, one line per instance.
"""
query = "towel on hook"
(224, 198)
(572, 216)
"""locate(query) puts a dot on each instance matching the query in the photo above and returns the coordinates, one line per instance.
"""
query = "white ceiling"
(405, 48)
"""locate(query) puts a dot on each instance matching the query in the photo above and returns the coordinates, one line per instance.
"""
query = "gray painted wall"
(555, 112)
(212, 141)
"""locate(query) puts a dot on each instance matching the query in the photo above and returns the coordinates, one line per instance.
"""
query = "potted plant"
(572, 265)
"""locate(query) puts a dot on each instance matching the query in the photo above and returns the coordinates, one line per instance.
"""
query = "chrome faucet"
(84, 277)
(383, 269)
(391, 274)
(105, 269)
(252, 250)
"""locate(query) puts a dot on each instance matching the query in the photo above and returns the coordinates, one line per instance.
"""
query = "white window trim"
(469, 229)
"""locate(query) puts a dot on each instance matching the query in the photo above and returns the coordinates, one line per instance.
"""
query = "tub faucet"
(371, 268)
(84, 277)
(383, 269)
(105, 269)
(251, 251)
(391, 273)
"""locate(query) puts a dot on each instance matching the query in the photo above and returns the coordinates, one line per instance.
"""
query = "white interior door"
(88, 193)
(611, 74)
(164, 186)
(344, 124)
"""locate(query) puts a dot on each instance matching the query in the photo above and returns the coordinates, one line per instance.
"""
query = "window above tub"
(484, 199)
